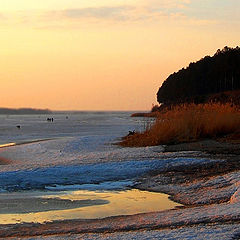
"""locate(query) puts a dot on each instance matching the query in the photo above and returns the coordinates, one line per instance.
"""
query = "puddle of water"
(82, 204)
(7, 145)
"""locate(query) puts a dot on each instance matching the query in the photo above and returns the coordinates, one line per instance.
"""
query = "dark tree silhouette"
(210, 75)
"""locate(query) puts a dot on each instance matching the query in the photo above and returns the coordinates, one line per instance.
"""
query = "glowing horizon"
(104, 55)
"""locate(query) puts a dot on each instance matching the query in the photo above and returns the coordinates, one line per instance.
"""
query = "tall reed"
(188, 122)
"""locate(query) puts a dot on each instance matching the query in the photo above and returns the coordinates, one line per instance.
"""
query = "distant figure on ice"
(50, 119)
(130, 133)
(18, 126)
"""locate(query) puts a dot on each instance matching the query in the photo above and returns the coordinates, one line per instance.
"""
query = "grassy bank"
(188, 122)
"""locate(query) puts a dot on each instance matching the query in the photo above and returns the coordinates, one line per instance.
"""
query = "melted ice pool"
(41, 207)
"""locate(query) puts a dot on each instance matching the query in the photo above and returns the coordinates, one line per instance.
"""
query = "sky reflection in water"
(101, 204)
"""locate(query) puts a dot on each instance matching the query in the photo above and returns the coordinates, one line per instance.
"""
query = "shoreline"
(210, 190)
(227, 153)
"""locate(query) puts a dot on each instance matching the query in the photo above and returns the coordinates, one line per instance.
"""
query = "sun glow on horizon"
(104, 55)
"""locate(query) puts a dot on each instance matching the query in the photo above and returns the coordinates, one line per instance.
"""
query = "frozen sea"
(75, 150)
(73, 155)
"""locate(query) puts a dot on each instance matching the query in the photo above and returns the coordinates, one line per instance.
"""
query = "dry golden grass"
(189, 122)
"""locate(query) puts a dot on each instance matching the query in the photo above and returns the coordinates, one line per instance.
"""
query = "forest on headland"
(204, 80)
(13, 111)
(199, 102)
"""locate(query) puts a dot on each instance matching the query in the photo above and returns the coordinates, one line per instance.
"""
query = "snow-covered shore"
(213, 209)
(204, 178)
(199, 232)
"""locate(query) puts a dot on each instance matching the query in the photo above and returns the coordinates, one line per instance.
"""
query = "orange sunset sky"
(104, 54)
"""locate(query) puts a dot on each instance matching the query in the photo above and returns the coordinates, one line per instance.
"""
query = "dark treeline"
(210, 75)
(9, 111)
